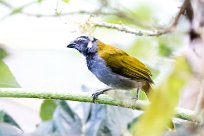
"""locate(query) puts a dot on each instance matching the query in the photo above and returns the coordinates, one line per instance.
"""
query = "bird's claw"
(95, 96)
(135, 98)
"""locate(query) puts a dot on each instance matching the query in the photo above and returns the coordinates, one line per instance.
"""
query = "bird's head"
(84, 44)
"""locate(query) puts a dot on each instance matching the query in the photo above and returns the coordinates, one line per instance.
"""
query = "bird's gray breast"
(99, 68)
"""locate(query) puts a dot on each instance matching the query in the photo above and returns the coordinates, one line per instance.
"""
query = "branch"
(127, 29)
(182, 11)
(87, 97)
(184, 8)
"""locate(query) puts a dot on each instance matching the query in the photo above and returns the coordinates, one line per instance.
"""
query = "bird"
(113, 66)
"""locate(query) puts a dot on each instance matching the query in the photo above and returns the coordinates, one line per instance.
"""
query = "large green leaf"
(7, 80)
(158, 115)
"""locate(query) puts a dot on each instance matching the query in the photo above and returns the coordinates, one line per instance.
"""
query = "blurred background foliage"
(165, 55)
(6, 78)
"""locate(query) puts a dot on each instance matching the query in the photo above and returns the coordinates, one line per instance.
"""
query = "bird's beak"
(71, 44)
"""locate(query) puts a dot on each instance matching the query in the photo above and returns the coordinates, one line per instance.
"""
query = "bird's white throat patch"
(91, 38)
(90, 44)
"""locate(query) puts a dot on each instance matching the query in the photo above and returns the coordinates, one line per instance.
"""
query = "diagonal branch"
(127, 29)
(86, 97)
(186, 4)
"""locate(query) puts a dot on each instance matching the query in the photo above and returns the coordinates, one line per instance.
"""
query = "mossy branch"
(87, 97)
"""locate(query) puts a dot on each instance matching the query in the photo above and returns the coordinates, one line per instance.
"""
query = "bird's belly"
(116, 81)
(105, 75)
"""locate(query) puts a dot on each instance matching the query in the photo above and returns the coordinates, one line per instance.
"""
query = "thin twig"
(87, 97)
(127, 29)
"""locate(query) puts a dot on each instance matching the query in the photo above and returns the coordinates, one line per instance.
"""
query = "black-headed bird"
(113, 66)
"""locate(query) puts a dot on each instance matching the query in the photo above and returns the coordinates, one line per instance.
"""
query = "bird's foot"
(135, 98)
(95, 95)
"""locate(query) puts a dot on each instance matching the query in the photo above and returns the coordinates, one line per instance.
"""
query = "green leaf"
(158, 116)
(6, 118)
(47, 109)
(7, 80)
(66, 1)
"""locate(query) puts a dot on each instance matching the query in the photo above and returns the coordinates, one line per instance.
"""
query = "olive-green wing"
(129, 67)
(123, 64)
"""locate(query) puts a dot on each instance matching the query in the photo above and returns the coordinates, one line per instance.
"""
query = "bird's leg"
(137, 94)
(95, 95)
(136, 97)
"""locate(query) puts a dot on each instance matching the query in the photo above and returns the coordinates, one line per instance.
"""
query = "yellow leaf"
(158, 116)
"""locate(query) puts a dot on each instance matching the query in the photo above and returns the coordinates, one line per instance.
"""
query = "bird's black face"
(84, 45)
